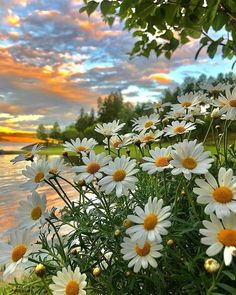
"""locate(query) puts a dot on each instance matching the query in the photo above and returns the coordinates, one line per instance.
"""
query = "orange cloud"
(161, 78)
(47, 82)
(13, 20)
(9, 108)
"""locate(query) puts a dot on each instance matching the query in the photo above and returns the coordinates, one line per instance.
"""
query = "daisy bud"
(165, 120)
(81, 183)
(211, 265)
(127, 223)
(217, 127)
(183, 192)
(170, 242)
(96, 272)
(117, 233)
(65, 154)
(40, 270)
(215, 114)
(128, 273)
(137, 142)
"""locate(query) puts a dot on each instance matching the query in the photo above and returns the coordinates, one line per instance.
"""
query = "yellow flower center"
(186, 104)
(232, 103)
(148, 124)
(36, 213)
(119, 175)
(18, 252)
(227, 237)
(116, 143)
(28, 155)
(162, 161)
(150, 221)
(72, 288)
(80, 148)
(189, 163)
(143, 251)
(222, 194)
(38, 177)
(179, 129)
(53, 171)
(157, 105)
(93, 167)
(148, 138)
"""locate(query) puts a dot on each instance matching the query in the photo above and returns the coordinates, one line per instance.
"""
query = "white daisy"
(68, 282)
(190, 100)
(227, 104)
(92, 168)
(150, 137)
(177, 127)
(16, 253)
(140, 256)
(109, 129)
(214, 89)
(29, 156)
(37, 173)
(220, 197)
(33, 211)
(56, 166)
(220, 234)
(176, 113)
(119, 176)
(151, 222)
(146, 122)
(189, 157)
(118, 141)
(80, 146)
(159, 160)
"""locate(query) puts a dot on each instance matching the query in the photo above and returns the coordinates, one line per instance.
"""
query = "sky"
(54, 60)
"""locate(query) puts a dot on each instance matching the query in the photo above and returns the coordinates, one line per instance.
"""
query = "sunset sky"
(54, 60)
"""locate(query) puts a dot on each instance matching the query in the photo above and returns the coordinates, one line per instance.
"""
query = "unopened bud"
(170, 242)
(128, 273)
(127, 223)
(211, 265)
(96, 272)
(215, 113)
(65, 154)
(117, 233)
(165, 120)
(81, 182)
(40, 270)
(217, 127)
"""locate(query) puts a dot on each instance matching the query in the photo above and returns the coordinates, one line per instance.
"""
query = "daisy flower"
(80, 146)
(227, 104)
(118, 141)
(146, 122)
(220, 196)
(119, 176)
(15, 254)
(189, 157)
(214, 90)
(176, 113)
(56, 166)
(33, 211)
(29, 156)
(159, 160)
(190, 100)
(109, 129)
(140, 256)
(220, 235)
(68, 282)
(92, 168)
(150, 137)
(151, 222)
(177, 127)
(37, 173)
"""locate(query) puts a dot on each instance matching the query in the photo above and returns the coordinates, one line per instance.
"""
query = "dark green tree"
(55, 132)
(42, 133)
(172, 24)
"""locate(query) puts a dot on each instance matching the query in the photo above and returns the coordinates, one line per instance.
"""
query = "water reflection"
(11, 193)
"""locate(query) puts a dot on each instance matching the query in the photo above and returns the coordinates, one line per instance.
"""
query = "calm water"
(11, 193)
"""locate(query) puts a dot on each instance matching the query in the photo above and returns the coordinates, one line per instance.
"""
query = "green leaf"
(211, 50)
(146, 10)
(106, 7)
(125, 5)
(230, 275)
(91, 6)
(231, 290)
(83, 9)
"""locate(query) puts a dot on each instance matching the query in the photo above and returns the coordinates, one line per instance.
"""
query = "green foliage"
(187, 19)
(55, 132)
(70, 133)
(41, 132)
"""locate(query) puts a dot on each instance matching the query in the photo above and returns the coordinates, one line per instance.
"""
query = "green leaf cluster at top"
(162, 26)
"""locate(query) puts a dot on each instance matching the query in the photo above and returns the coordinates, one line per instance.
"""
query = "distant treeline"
(113, 107)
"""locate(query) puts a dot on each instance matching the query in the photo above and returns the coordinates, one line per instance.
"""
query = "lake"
(11, 193)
